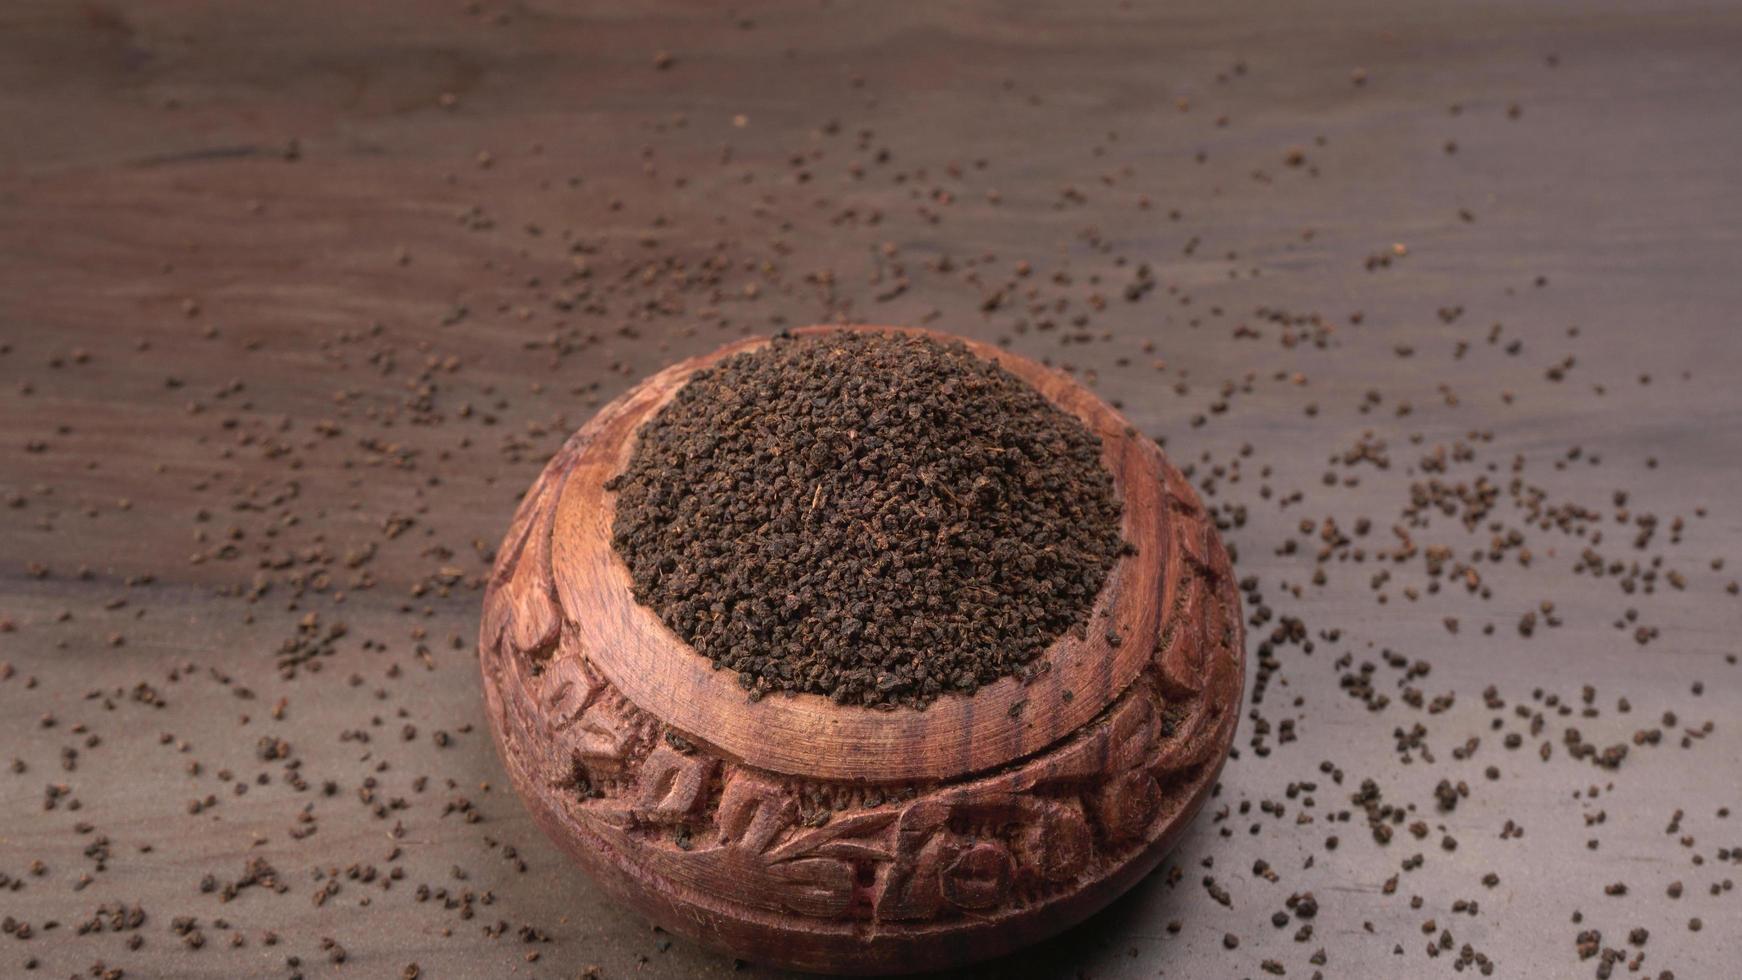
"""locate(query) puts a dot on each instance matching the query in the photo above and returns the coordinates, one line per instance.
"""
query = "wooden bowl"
(801, 833)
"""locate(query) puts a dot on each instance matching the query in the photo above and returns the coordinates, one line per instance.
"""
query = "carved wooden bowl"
(801, 833)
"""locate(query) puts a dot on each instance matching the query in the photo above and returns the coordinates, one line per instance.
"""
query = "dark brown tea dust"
(881, 519)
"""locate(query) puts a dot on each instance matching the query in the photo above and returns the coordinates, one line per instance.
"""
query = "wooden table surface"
(295, 299)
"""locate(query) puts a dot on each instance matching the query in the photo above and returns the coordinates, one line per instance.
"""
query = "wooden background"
(295, 299)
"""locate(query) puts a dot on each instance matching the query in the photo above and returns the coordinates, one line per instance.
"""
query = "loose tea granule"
(877, 518)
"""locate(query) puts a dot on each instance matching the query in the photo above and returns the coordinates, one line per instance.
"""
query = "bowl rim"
(806, 734)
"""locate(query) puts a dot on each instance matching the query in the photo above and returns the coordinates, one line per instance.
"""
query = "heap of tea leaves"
(878, 518)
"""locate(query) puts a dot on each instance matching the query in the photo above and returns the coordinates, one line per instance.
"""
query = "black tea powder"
(878, 518)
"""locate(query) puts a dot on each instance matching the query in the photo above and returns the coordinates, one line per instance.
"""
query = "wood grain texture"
(801, 832)
(150, 217)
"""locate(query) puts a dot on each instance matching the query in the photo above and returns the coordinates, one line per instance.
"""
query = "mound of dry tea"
(880, 519)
